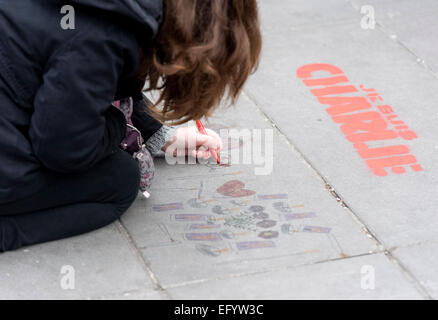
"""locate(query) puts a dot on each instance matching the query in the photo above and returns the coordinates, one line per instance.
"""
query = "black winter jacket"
(56, 85)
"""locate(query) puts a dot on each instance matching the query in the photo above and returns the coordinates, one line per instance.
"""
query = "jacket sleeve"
(155, 134)
(74, 125)
(141, 119)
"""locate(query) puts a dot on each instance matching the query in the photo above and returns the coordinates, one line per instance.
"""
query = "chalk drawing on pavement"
(239, 220)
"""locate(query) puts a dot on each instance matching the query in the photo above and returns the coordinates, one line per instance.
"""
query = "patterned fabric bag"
(134, 144)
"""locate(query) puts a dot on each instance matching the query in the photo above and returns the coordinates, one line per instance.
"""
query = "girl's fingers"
(206, 141)
(200, 154)
(217, 138)
(203, 154)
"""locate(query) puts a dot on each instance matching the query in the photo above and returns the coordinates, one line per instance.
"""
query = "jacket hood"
(145, 12)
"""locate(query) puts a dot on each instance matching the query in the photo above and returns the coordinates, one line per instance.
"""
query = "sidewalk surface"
(339, 209)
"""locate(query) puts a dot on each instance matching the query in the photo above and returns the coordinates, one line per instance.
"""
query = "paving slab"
(103, 262)
(188, 231)
(341, 279)
(229, 232)
(411, 23)
(421, 260)
(310, 14)
(398, 208)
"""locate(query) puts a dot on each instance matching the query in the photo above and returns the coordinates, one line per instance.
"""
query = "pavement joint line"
(408, 275)
(324, 260)
(420, 61)
(188, 283)
(411, 245)
(146, 266)
(424, 65)
(267, 270)
(359, 255)
(125, 294)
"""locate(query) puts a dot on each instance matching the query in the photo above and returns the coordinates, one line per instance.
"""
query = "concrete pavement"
(347, 209)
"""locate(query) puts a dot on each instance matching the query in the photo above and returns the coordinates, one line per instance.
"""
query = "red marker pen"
(203, 131)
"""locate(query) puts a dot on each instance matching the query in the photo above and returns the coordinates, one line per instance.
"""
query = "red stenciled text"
(364, 118)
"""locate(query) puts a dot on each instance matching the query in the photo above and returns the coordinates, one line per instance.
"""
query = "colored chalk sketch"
(256, 208)
(218, 209)
(248, 245)
(268, 234)
(241, 221)
(240, 203)
(288, 228)
(197, 203)
(235, 189)
(261, 215)
(197, 226)
(203, 236)
(183, 217)
(266, 223)
(282, 207)
(212, 225)
(316, 229)
(168, 206)
(210, 251)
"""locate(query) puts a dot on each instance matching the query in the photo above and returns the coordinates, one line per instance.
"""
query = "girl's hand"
(189, 141)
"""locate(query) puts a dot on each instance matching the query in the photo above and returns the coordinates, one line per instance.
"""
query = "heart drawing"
(234, 188)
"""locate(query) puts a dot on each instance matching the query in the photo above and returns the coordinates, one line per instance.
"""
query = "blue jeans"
(71, 204)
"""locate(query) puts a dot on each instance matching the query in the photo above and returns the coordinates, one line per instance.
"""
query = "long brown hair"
(205, 50)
